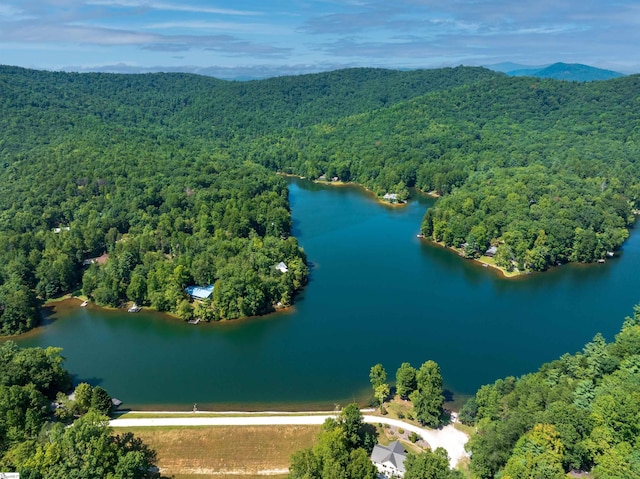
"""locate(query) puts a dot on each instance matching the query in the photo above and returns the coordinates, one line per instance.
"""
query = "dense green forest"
(546, 170)
(70, 439)
(173, 176)
(146, 169)
(578, 413)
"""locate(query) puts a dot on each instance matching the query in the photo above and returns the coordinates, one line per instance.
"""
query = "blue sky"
(273, 37)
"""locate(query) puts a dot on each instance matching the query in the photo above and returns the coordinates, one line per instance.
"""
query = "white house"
(390, 196)
(389, 460)
(282, 267)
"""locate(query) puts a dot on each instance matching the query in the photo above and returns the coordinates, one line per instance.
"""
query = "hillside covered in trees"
(577, 413)
(144, 168)
(173, 176)
(545, 170)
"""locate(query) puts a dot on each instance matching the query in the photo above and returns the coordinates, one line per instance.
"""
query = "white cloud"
(261, 28)
(173, 7)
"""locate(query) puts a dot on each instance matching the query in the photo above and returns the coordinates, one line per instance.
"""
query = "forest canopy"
(172, 176)
(577, 413)
(546, 171)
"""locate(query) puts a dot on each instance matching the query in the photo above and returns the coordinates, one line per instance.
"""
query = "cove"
(376, 294)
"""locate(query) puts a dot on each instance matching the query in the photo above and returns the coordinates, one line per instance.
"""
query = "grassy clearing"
(238, 452)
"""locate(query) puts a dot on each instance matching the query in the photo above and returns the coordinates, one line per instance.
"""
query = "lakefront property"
(199, 292)
(389, 460)
(176, 195)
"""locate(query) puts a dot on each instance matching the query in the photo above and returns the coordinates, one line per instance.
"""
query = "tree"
(101, 401)
(427, 399)
(381, 392)
(337, 452)
(86, 450)
(83, 396)
(406, 380)
(350, 419)
(184, 310)
(538, 454)
(378, 377)
(429, 465)
(137, 289)
(360, 465)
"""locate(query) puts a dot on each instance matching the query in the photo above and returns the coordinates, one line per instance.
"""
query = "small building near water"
(199, 292)
(282, 267)
(491, 252)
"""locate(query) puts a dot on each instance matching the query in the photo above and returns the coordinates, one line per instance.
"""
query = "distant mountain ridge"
(557, 71)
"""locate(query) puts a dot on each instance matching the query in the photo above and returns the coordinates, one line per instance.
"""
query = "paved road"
(448, 437)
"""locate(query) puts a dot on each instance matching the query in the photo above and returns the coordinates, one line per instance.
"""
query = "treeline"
(578, 413)
(46, 435)
(148, 170)
(162, 173)
(545, 170)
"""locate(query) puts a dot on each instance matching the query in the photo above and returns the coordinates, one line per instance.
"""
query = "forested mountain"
(567, 72)
(173, 176)
(545, 170)
(578, 413)
(149, 169)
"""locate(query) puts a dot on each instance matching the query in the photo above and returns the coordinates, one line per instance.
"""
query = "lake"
(376, 294)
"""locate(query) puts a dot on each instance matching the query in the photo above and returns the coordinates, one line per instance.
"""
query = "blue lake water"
(377, 294)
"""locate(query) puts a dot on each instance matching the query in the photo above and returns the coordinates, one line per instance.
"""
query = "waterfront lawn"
(209, 451)
(400, 409)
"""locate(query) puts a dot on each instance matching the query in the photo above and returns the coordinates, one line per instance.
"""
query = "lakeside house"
(199, 292)
(282, 267)
(390, 197)
(491, 252)
(389, 460)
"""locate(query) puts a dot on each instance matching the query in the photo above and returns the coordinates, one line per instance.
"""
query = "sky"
(261, 38)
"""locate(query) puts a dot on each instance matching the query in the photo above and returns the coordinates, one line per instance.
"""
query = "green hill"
(173, 175)
(544, 169)
(148, 169)
(568, 72)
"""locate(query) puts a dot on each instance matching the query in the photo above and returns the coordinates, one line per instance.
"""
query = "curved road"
(448, 437)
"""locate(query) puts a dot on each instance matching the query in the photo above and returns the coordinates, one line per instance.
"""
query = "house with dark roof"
(389, 460)
(491, 252)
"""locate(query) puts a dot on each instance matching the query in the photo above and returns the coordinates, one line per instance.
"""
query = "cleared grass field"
(238, 452)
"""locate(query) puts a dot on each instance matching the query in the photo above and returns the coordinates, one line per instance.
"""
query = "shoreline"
(339, 183)
(485, 261)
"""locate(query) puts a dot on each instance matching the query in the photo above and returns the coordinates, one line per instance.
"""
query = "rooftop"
(199, 292)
